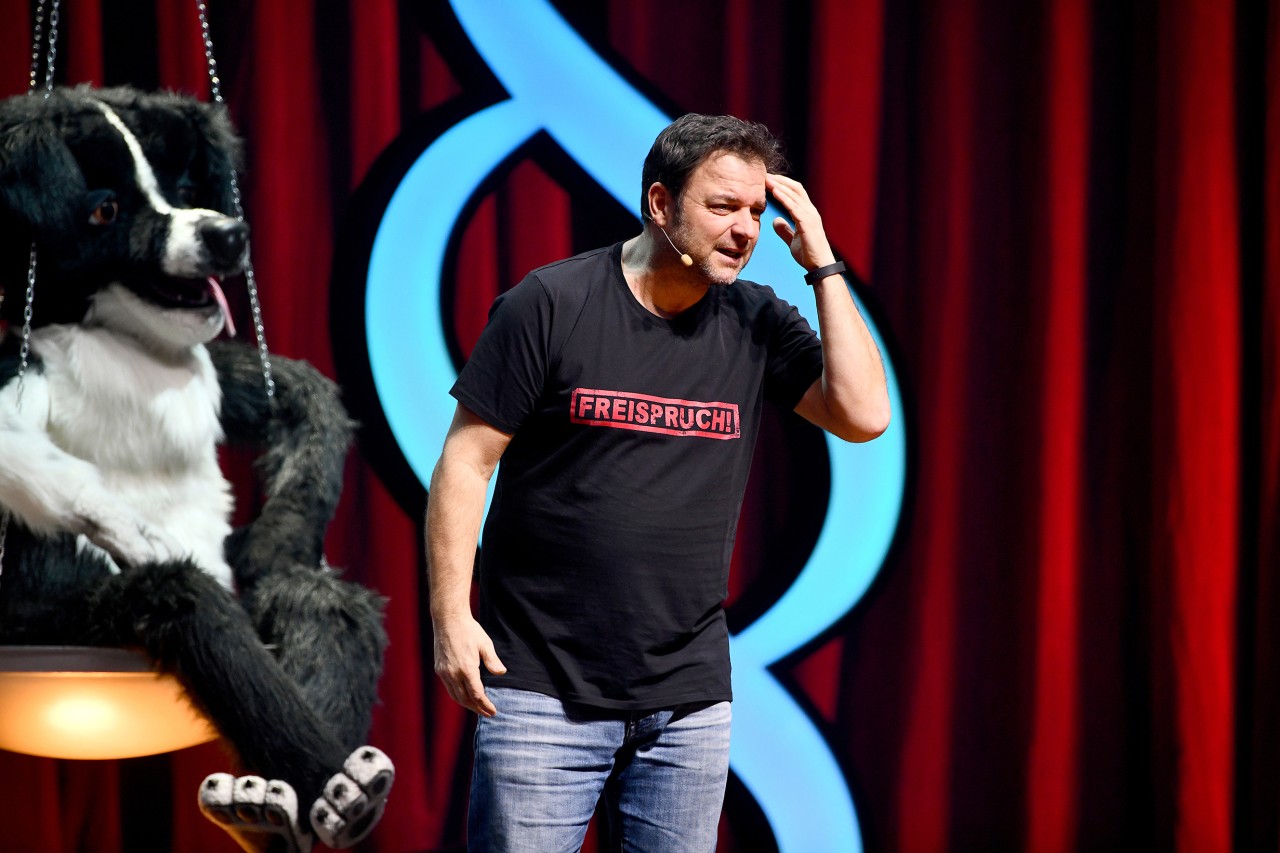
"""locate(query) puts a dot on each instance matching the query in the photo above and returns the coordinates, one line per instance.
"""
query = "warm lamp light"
(84, 702)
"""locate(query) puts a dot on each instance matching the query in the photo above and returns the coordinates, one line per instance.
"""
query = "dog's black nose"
(225, 240)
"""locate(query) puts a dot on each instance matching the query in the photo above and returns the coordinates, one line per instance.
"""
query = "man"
(622, 391)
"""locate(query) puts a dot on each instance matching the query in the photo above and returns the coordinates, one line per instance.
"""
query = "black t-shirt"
(605, 557)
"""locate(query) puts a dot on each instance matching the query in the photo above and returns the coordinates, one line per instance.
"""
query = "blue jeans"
(540, 769)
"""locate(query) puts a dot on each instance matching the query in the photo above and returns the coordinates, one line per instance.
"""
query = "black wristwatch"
(812, 277)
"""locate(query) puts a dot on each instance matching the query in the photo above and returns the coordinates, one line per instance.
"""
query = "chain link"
(53, 49)
(251, 284)
(36, 39)
(24, 351)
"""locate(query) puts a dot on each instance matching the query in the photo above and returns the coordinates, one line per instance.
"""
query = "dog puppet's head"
(127, 197)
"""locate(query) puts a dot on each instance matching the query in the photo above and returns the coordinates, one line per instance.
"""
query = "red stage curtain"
(1069, 217)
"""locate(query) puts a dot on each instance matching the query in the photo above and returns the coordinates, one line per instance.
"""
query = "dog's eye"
(187, 196)
(105, 213)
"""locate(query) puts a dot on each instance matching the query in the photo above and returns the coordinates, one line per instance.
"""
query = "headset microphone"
(684, 257)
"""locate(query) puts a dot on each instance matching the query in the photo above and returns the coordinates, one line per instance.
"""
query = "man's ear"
(660, 203)
(40, 181)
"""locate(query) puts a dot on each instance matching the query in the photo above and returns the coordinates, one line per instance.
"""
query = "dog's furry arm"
(53, 492)
(303, 433)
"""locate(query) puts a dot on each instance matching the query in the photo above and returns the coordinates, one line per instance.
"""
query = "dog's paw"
(260, 815)
(353, 800)
(123, 533)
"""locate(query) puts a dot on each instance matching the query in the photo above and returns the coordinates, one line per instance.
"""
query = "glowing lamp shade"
(83, 702)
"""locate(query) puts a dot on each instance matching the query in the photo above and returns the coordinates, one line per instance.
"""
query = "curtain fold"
(1059, 244)
(1198, 397)
(1261, 792)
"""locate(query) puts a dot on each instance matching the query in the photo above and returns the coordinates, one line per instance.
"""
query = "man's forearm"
(455, 505)
(853, 380)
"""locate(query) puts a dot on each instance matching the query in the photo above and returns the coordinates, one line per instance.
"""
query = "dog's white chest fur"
(149, 425)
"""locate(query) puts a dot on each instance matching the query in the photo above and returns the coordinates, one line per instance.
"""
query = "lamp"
(87, 702)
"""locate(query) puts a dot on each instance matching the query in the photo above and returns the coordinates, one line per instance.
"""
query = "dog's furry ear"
(39, 177)
(221, 150)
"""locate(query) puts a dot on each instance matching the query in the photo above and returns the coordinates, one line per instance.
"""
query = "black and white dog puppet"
(119, 529)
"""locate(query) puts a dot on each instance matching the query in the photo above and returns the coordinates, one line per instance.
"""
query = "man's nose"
(746, 225)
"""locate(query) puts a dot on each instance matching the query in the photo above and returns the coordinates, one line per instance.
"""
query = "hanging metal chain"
(215, 88)
(33, 74)
(37, 34)
(37, 39)
(24, 351)
(53, 48)
(51, 55)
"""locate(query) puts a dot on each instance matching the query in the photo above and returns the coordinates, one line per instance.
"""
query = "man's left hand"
(807, 239)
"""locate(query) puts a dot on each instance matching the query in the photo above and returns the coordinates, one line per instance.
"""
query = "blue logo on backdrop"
(558, 85)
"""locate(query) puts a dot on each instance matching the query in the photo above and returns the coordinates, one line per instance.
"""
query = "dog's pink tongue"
(222, 304)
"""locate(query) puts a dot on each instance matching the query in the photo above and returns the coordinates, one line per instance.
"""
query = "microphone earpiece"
(684, 257)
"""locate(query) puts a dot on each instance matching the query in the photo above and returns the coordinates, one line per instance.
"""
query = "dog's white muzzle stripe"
(143, 173)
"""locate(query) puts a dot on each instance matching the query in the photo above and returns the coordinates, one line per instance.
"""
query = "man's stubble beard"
(706, 266)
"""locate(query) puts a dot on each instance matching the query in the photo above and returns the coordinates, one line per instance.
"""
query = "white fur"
(175, 329)
(118, 443)
(353, 800)
(259, 815)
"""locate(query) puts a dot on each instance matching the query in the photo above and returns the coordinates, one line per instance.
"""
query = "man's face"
(717, 220)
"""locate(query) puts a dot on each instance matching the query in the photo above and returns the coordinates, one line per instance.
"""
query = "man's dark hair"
(692, 138)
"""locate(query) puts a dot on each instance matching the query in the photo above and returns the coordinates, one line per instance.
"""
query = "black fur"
(294, 712)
